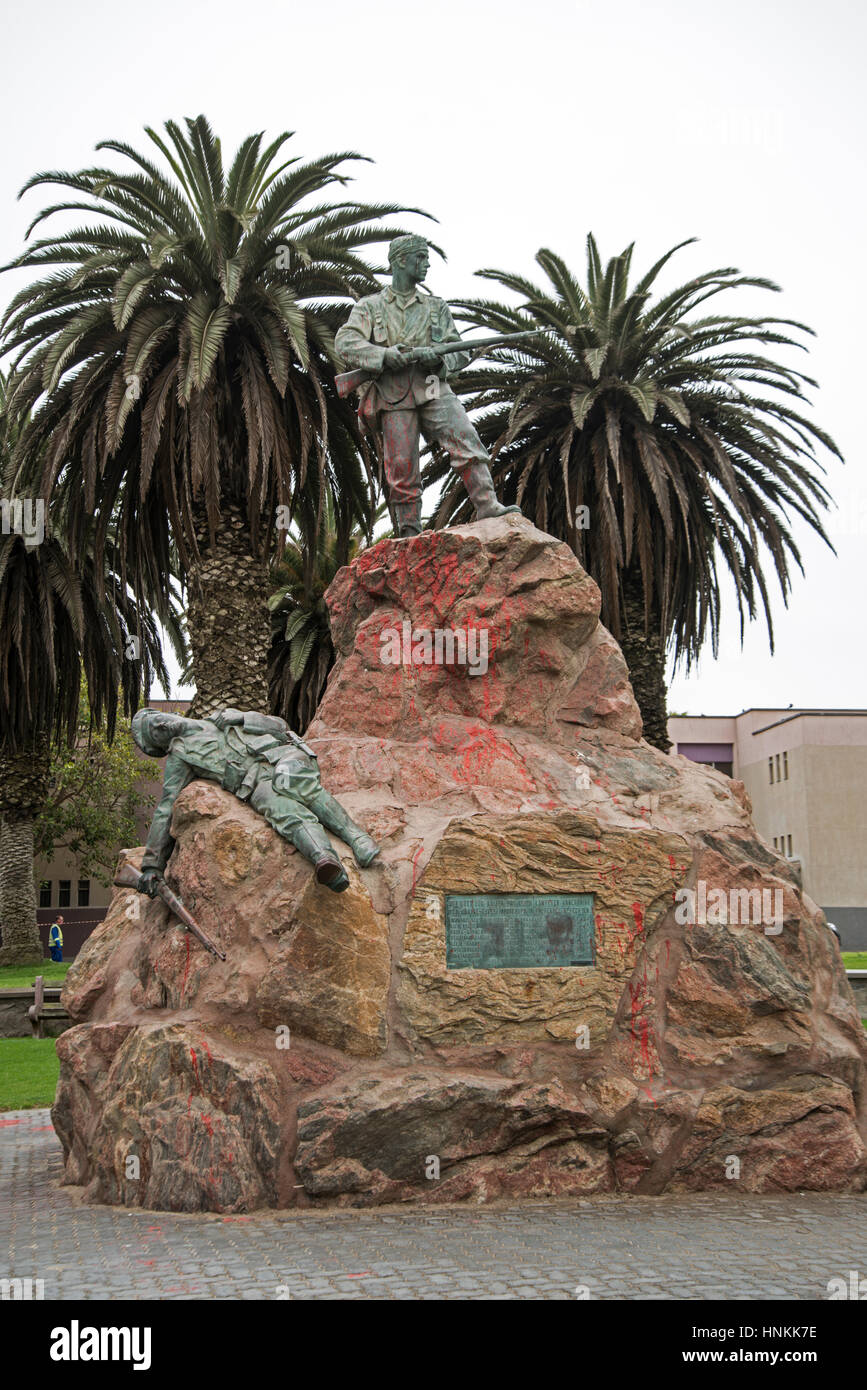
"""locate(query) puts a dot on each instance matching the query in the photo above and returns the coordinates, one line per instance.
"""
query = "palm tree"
(62, 623)
(59, 627)
(178, 370)
(656, 441)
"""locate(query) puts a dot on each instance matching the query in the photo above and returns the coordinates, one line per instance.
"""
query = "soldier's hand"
(150, 882)
(394, 359)
(224, 717)
(426, 357)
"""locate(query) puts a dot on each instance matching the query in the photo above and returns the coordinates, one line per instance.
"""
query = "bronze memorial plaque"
(501, 931)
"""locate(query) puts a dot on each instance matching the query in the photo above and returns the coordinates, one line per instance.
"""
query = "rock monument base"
(336, 1058)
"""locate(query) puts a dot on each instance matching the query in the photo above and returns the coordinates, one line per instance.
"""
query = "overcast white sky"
(523, 125)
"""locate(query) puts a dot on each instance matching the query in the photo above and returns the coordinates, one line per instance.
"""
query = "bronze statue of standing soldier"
(395, 340)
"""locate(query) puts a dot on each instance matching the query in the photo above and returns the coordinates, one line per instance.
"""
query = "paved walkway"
(717, 1246)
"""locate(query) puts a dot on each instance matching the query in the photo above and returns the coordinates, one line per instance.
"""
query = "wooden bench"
(41, 1010)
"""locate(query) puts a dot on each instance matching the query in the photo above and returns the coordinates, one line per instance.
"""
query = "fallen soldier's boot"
(335, 819)
(315, 845)
(364, 849)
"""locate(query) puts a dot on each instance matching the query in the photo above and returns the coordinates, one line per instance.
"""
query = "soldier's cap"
(141, 732)
(403, 245)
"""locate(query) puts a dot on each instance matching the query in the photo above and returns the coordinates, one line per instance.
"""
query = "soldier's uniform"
(415, 400)
(263, 762)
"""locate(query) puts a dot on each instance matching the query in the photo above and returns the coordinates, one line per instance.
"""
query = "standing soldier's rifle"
(350, 381)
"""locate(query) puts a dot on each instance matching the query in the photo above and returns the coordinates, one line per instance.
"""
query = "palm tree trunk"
(228, 619)
(644, 651)
(21, 944)
(24, 781)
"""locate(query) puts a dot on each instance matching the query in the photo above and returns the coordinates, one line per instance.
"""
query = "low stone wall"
(14, 1022)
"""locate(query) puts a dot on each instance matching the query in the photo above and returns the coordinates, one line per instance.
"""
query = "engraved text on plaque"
(495, 931)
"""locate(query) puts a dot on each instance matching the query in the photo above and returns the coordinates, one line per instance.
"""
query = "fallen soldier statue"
(260, 760)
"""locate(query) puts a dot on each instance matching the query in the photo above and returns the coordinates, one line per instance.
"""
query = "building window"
(84, 892)
(776, 846)
(64, 891)
(45, 893)
(789, 850)
(785, 767)
(777, 766)
(771, 770)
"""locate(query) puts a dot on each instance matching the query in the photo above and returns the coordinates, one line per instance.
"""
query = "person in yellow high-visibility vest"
(55, 940)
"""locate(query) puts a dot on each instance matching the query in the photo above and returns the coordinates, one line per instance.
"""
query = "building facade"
(805, 771)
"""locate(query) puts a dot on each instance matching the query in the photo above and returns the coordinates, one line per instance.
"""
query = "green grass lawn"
(22, 977)
(855, 960)
(28, 1073)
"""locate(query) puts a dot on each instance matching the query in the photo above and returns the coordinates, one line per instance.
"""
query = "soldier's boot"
(314, 844)
(407, 519)
(480, 490)
(333, 816)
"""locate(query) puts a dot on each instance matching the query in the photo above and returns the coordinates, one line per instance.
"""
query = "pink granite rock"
(507, 589)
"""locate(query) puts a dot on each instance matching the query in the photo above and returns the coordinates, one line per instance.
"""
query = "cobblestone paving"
(716, 1246)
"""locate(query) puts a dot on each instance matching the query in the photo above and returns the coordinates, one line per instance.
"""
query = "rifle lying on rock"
(129, 877)
(350, 381)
